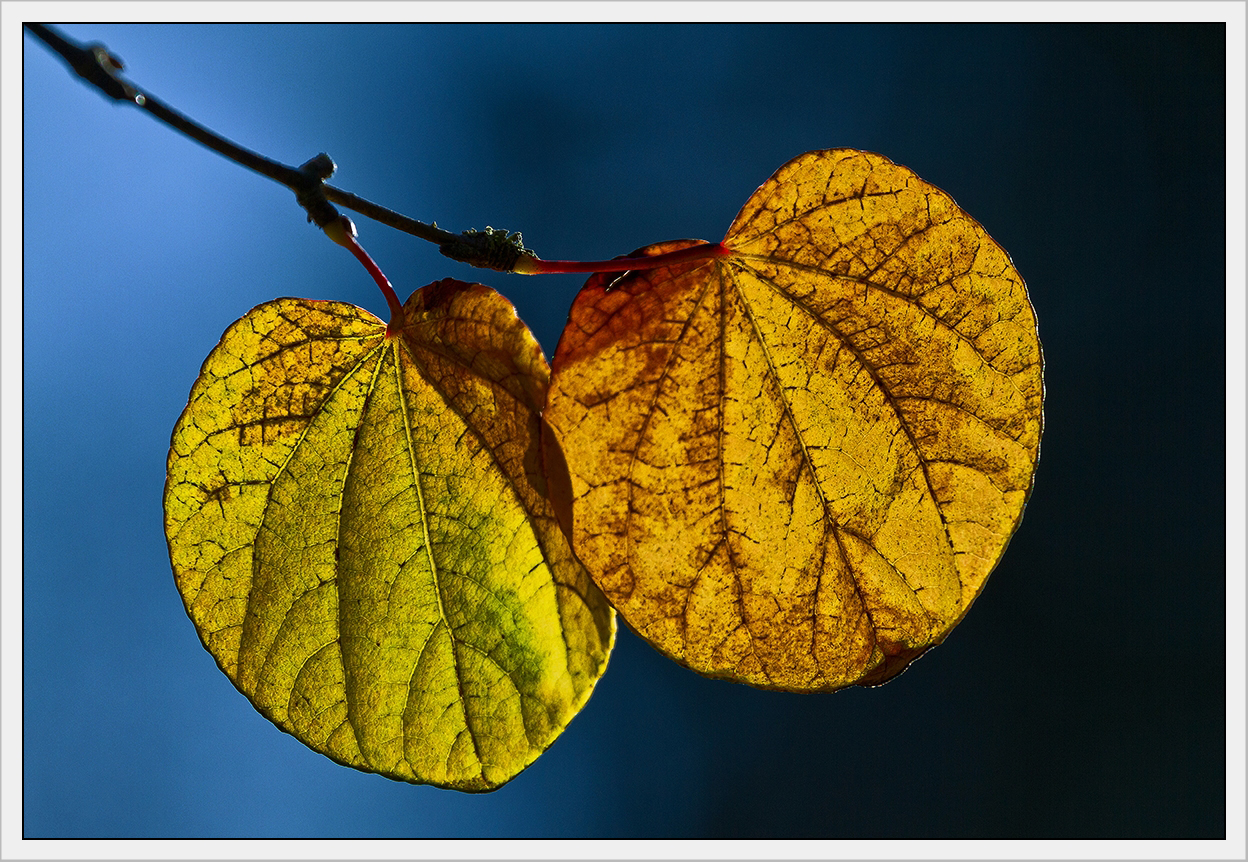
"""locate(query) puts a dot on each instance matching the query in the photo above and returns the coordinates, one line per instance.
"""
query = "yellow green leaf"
(795, 465)
(359, 528)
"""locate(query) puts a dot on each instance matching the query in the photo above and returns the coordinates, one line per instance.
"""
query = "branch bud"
(492, 248)
(311, 193)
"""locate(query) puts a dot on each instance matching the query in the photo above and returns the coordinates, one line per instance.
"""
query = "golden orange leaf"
(795, 466)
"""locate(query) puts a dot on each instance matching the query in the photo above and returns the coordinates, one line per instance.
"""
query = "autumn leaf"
(794, 462)
(359, 528)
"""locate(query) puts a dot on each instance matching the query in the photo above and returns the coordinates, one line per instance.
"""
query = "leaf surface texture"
(359, 528)
(796, 465)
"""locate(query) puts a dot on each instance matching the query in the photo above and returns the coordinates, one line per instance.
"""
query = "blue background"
(1082, 698)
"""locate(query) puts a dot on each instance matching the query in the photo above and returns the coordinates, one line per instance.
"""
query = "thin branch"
(386, 216)
(490, 249)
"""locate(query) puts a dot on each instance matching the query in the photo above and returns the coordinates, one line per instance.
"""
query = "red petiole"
(342, 231)
(530, 265)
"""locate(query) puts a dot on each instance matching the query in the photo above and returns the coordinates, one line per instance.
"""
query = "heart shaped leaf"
(795, 463)
(359, 528)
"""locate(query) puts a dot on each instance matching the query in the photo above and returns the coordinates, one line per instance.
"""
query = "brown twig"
(489, 249)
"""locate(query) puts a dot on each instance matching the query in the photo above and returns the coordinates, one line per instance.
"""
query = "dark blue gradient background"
(1082, 698)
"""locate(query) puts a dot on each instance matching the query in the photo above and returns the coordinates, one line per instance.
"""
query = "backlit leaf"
(796, 465)
(359, 529)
